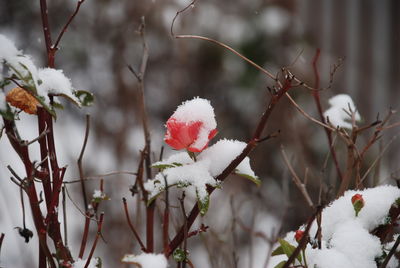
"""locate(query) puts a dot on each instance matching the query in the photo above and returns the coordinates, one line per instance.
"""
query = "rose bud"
(298, 235)
(358, 203)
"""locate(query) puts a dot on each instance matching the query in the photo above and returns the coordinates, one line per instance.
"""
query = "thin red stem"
(99, 226)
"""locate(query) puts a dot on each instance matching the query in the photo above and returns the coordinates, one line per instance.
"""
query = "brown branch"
(391, 253)
(80, 168)
(84, 236)
(98, 234)
(135, 233)
(1, 241)
(64, 29)
(191, 5)
(296, 179)
(317, 100)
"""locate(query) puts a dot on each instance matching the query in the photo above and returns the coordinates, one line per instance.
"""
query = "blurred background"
(103, 40)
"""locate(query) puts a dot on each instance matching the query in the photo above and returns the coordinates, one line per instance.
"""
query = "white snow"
(147, 260)
(98, 194)
(222, 153)
(346, 239)
(196, 175)
(339, 114)
(80, 263)
(55, 82)
(197, 110)
(181, 158)
(7, 49)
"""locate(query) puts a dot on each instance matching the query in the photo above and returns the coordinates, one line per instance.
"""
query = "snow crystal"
(197, 110)
(339, 114)
(147, 260)
(346, 239)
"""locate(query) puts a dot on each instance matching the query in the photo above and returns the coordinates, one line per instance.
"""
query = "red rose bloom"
(182, 135)
(298, 235)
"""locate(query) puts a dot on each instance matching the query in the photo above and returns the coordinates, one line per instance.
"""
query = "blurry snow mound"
(147, 260)
(346, 239)
(274, 20)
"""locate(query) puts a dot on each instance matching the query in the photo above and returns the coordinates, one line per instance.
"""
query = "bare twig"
(81, 174)
(100, 176)
(297, 180)
(191, 5)
(135, 233)
(98, 234)
(64, 29)
(321, 114)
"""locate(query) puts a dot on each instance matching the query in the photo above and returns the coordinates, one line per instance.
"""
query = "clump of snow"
(196, 175)
(346, 239)
(80, 263)
(197, 110)
(7, 49)
(147, 260)
(98, 194)
(55, 82)
(222, 153)
(181, 158)
(339, 114)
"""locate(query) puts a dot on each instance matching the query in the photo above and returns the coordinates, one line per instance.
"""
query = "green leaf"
(280, 265)
(162, 166)
(85, 97)
(179, 255)
(278, 251)
(288, 249)
(256, 180)
(203, 204)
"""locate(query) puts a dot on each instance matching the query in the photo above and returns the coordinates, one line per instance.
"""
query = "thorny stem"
(317, 100)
